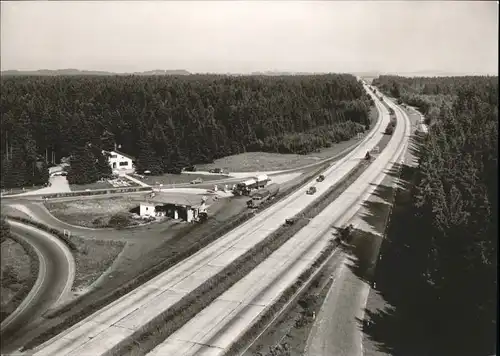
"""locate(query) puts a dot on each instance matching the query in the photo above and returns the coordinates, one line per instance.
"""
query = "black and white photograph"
(249, 178)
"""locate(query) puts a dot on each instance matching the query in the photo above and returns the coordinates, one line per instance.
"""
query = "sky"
(246, 36)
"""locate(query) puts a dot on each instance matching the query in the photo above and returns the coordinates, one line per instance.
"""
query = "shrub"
(120, 221)
(100, 222)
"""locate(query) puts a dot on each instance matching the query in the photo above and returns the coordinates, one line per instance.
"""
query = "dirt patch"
(85, 212)
(12, 191)
(19, 269)
(93, 258)
(91, 186)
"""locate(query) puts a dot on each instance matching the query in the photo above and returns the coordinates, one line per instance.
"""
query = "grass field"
(180, 178)
(16, 276)
(263, 161)
(84, 212)
(93, 258)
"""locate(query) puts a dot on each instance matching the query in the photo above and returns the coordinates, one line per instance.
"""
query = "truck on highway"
(263, 195)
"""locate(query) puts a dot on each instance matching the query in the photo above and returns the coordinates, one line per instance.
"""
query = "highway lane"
(100, 331)
(336, 330)
(212, 330)
(56, 275)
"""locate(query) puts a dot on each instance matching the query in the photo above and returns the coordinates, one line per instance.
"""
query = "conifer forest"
(169, 122)
(449, 228)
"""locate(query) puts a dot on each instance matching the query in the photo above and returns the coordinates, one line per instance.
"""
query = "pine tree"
(147, 160)
(83, 168)
(103, 168)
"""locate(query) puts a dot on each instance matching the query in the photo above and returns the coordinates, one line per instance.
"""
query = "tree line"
(167, 123)
(452, 226)
(431, 95)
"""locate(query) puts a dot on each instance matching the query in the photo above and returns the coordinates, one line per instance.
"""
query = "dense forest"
(450, 259)
(169, 122)
(431, 95)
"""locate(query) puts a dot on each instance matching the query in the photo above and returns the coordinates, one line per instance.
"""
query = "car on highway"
(197, 181)
(311, 190)
(320, 178)
(290, 221)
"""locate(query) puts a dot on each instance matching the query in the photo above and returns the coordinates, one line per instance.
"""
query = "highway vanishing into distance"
(56, 275)
(214, 329)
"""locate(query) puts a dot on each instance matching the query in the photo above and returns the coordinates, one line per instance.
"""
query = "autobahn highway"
(56, 275)
(212, 331)
(107, 327)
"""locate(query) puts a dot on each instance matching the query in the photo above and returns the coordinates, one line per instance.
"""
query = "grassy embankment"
(19, 270)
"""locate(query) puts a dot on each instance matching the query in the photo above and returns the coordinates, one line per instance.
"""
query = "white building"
(173, 205)
(120, 161)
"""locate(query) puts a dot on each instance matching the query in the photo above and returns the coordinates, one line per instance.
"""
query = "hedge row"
(160, 268)
(289, 294)
(60, 235)
(97, 192)
(166, 323)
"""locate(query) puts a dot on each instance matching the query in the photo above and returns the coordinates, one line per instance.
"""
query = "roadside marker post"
(67, 233)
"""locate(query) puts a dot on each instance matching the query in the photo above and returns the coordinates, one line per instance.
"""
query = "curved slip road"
(214, 329)
(107, 327)
(55, 278)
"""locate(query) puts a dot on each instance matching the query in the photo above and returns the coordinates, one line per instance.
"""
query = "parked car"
(190, 168)
(216, 170)
(197, 181)
(311, 190)
(320, 178)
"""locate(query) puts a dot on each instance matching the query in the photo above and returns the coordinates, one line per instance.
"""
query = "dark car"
(190, 169)
(320, 178)
(216, 170)
(290, 221)
(311, 190)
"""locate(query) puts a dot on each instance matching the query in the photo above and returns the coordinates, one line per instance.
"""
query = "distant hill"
(91, 72)
(276, 73)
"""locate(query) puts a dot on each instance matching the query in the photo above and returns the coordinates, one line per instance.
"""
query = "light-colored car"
(197, 181)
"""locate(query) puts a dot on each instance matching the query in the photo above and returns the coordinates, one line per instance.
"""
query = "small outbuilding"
(173, 205)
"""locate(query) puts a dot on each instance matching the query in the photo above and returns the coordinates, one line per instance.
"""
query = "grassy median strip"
(166, 323)
(177, 255)
(276, 308)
